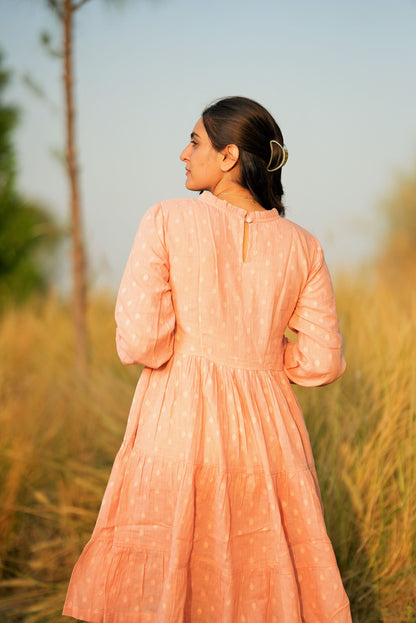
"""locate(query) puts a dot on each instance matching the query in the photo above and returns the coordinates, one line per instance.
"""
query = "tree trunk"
(79, 264)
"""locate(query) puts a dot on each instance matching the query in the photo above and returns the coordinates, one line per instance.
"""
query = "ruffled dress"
(212, 513)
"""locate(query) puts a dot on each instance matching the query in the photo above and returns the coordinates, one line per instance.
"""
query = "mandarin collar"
(255, 215)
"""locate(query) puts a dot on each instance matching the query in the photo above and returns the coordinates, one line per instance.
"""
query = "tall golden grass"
(363, 430)
(59, 436)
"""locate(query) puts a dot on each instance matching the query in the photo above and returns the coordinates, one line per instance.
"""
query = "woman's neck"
(238, 196)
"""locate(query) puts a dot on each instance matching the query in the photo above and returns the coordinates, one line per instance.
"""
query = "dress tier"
(212, 513)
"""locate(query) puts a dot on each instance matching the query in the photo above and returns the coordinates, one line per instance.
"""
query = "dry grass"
(363, 430)
(59, 438)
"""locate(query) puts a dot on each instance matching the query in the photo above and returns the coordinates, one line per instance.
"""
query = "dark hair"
(243, 122)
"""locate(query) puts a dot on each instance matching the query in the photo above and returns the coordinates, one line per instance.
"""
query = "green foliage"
(27, 231)
(8, 121)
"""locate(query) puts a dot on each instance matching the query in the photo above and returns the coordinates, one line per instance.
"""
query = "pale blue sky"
(338, 76)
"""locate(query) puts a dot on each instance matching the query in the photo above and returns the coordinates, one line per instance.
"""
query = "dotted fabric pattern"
(212, 513)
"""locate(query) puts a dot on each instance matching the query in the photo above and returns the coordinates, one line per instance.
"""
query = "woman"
(212, 512)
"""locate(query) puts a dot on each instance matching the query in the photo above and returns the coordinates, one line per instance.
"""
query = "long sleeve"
(144, 312)
(316, 357)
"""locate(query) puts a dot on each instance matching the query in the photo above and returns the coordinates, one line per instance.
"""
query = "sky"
(339, 77)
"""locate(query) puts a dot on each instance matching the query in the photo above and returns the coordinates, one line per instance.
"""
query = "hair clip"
(285, 156)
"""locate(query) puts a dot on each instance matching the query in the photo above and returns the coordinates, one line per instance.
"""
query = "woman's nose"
(184, 155)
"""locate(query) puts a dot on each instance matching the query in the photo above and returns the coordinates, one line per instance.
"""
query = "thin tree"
(65, 11)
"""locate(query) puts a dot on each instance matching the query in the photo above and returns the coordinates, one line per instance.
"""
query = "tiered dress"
(212, 513)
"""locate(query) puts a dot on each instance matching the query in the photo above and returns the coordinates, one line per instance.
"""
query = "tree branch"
(55, 6)
(78, 4)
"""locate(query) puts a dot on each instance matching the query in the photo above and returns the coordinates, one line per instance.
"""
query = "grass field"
(59, 437)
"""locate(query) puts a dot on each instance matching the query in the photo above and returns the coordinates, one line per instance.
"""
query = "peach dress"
(212, 513)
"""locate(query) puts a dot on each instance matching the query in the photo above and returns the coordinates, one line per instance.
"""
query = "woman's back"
(230, 309)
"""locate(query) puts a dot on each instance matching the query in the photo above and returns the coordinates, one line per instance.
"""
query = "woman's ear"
(230, 154)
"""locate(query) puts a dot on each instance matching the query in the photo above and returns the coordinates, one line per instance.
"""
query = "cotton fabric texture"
(212, 513)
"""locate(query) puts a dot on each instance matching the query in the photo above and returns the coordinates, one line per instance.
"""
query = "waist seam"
(182, 352)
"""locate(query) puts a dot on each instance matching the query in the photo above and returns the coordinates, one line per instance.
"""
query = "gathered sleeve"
(144, 314)
(316, 357)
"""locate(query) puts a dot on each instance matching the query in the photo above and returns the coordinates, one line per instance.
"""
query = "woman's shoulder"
(177, 205)
(168, 207)
(299, 232)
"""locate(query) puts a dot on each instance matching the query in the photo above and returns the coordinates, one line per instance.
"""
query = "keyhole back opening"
(245, 240)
